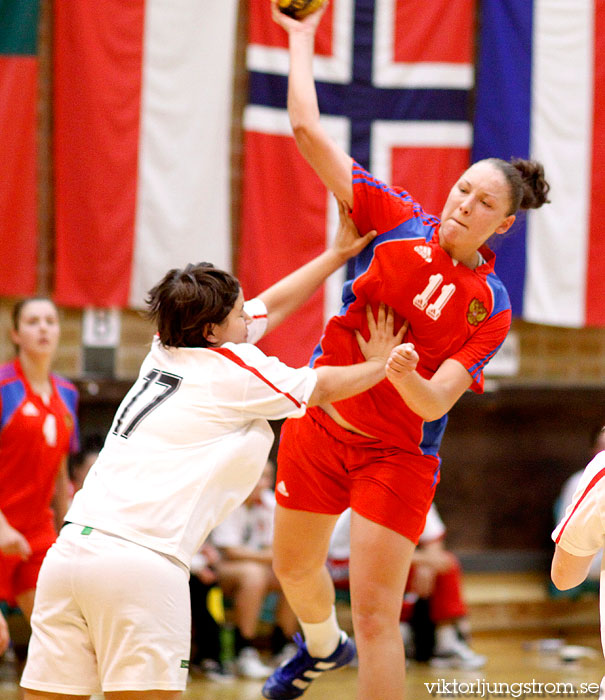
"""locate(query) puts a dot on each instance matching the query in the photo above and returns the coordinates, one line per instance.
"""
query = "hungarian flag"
(541, 94)
(393, 80)
(18, 124)
(142, 106)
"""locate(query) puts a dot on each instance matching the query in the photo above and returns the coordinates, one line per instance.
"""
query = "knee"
(371, 620)
(294, 571)
(255, 576)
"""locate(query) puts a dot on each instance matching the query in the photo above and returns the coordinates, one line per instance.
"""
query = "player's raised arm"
(287, 295)
(329, 161)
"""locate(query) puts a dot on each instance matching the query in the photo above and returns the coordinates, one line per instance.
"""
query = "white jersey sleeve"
(267, 387)
(581, 531)
(257, 327)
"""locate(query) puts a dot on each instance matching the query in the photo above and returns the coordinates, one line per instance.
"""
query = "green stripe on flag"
(19, 27)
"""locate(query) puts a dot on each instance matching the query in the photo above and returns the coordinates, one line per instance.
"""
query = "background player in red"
(38, 430)
(378, 452)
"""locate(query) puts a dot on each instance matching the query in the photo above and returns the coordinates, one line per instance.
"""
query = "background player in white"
(187, 445)
(581, 535)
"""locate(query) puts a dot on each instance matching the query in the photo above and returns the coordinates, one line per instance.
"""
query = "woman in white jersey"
(186, 446)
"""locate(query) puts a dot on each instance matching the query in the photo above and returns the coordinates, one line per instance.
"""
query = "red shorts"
(17, 575)
(445, 602)
(323, 468)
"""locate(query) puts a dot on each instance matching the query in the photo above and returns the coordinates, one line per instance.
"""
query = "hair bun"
(535, 186)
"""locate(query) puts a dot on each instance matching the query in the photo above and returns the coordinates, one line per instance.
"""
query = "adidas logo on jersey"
(424, 251)
(281, 487)
(30, 410)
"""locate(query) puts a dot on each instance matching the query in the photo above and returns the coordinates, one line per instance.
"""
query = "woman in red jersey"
(38, 430)
(378, 452)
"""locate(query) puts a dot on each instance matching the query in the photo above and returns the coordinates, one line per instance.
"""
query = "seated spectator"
(433, 614)
(206, 652)
(246, 575)
(591, 582)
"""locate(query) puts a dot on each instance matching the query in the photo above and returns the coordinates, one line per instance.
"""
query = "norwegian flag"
(541, 94)
(393, 79)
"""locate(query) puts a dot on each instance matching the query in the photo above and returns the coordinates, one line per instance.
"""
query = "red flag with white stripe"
(142, 113)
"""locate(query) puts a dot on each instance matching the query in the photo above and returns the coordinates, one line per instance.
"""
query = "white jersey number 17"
(143, 403)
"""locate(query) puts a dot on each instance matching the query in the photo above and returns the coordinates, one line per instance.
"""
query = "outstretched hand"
(348, 242)
(307, 24)
(382, 338)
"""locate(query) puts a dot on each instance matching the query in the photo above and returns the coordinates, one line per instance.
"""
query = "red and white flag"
(142, 105)
(18, 152)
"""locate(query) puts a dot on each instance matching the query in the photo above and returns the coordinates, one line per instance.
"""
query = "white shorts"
(109, 615)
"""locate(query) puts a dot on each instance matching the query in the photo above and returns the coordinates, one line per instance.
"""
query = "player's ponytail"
(528, 186)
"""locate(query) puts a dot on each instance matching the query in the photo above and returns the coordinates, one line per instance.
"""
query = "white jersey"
(189, 442)
(250, 525)
(581, 531)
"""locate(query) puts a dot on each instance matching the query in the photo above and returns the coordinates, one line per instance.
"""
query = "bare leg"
(25, 601)
(248, 583)
(379, 566)
(285, 617)
(300, 548)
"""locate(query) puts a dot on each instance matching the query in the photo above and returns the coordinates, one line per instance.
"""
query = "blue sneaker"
(293, 677)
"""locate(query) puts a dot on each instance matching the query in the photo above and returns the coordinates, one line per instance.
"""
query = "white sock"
(445, 638)
(322, 638)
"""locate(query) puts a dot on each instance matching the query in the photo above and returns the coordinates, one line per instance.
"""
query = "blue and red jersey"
(453, 311)
(34, 438)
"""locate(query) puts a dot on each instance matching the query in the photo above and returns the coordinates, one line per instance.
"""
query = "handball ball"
(299, 8)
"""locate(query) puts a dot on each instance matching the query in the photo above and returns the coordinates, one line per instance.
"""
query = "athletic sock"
(322, 638)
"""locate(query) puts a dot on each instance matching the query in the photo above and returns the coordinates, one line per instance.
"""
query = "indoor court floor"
(510, 664)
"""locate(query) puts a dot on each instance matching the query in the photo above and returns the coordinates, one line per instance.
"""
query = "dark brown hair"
(528, 186)
(20, 305)
(185, 301)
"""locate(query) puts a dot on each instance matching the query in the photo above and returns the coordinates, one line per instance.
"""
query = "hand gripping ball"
(299, 8)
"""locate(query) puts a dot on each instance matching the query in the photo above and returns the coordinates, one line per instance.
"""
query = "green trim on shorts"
(87, 530)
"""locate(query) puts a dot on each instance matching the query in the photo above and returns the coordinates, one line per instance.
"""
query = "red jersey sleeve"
(376, 205)
(482, 346)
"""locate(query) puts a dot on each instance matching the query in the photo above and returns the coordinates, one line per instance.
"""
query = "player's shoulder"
(64, 383)
(8, 373)
(398, 198)
(499, 293)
